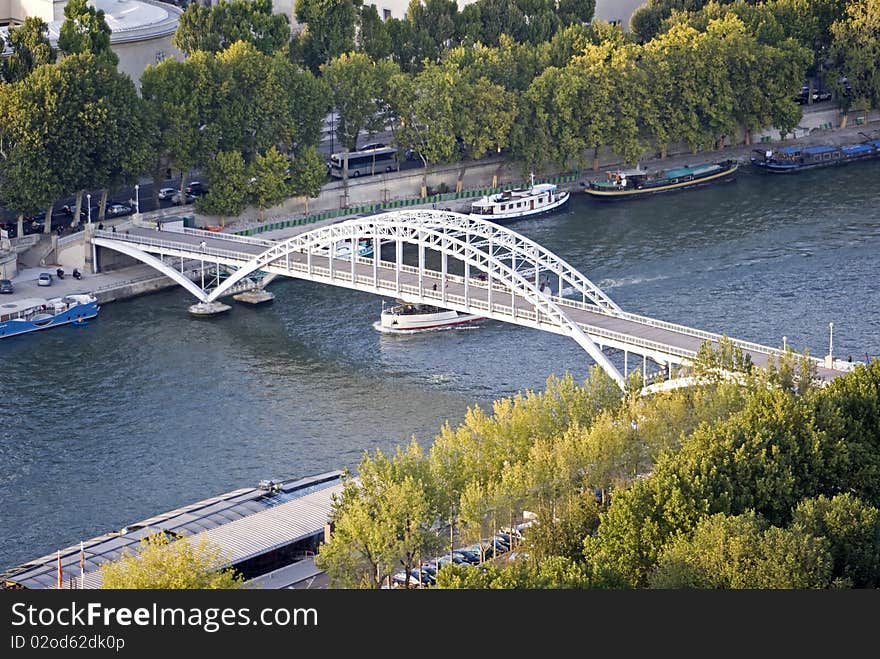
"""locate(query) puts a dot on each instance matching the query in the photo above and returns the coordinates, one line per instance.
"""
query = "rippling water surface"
(146, 409)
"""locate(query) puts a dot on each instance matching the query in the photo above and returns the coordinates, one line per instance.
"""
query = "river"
(147, 408)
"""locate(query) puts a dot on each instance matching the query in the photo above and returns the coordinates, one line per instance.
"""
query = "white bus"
(365, 162)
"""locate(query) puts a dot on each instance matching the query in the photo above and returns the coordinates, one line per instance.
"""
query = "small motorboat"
(406, 317)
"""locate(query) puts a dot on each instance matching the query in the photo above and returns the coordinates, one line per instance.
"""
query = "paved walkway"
(25, 284)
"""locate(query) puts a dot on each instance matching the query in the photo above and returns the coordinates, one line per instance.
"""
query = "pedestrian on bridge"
(203, 245)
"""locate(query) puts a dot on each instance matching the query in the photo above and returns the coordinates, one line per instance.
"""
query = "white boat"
(406, 317)
(519, 202)
(35, 314)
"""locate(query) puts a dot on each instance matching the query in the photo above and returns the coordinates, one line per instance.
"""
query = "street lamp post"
(137, 199)
(830, 339)
(89, 202)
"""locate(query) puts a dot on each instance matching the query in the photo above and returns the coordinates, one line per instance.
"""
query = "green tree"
(372, 37)
(26, 179)
(181, 98)
(30, 48)
(848, 410)
(308, 174)
(356, 84)
(330, 30)
(85, 30)
(854, 53)
(121, 124)
(228, 186)
(485, 21)
(160, 563)
(382, 522)
(215, 28)
(743, 552)
(574, 12)
(646, 22)
(305, 102)
(252, 103)
(403, 50)
(269, 174)
(433, 26)
(852, 529)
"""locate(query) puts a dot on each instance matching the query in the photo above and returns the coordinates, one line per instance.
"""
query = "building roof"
(258, 519)
(128, 20)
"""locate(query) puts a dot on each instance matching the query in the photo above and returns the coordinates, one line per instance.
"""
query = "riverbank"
(131, 281)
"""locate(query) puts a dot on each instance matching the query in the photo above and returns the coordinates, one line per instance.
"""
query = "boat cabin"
(22, 308)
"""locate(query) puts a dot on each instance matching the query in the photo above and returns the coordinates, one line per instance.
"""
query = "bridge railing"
(175, 246)
(219, 235)
(675, 327)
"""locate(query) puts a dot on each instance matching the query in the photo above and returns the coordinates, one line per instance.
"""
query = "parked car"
(45, 279)
(188, 198)
(445, 560)
(6, 286)
(818, 95)
(469, 556)
(166, 193)
(502, 541)
(118, 210)
(196, 188)
(423, 577)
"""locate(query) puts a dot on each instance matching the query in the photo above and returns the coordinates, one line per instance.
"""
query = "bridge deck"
(608, 328)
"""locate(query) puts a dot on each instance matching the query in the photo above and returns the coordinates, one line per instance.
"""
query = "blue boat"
(798, 158)
(35, 313)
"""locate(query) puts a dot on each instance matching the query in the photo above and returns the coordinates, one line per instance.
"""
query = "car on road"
(45, 279)
(196, 188)
(6, 286)
(167, 193)
(373, 145)
(118, 210)
(188, 198)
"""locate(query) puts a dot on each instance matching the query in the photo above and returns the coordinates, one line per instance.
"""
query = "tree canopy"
(161, 563)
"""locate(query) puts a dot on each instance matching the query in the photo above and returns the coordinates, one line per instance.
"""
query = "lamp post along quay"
(137, 199)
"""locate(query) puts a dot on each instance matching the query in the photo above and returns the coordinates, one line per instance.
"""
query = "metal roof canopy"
(189, 520)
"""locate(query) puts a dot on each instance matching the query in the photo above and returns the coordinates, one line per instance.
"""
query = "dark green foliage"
(30, 48)
(373, 37)
(852, 529)
(849, 411)
(215, 28)
(330, 30)
(743, 552)
(227, 185)
(85, 31)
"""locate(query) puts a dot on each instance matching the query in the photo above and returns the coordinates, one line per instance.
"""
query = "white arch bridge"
(495, 273)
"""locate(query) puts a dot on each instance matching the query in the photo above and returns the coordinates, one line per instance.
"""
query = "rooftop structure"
(141, 30)
(246, 524)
